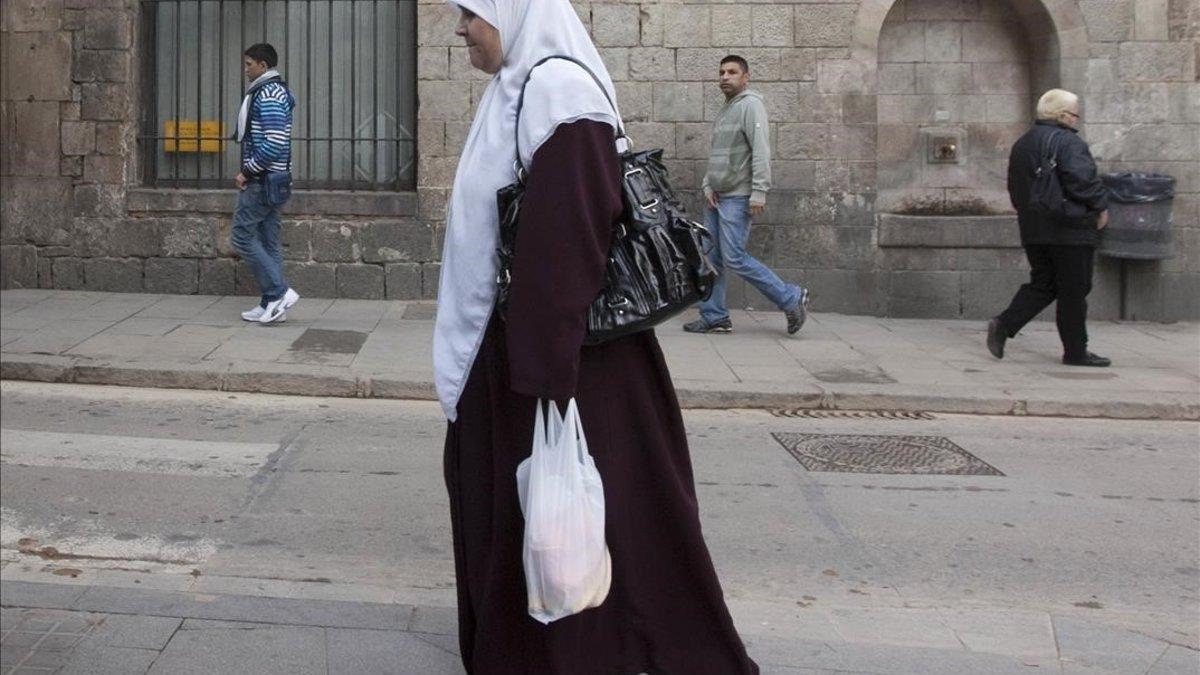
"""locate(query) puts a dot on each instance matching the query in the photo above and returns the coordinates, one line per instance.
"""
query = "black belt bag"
(656, 264)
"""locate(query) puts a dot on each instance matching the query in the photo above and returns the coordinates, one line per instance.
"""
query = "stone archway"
(961, 76)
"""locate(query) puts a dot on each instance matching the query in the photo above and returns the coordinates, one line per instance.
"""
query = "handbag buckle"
(648, 205)
(504, 278)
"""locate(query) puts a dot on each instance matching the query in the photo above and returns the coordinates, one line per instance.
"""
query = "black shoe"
(797, 316)
(1088, 359)
(996, 338)
(702, 326)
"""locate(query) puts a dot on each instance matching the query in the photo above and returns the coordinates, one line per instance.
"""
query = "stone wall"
(75, 215)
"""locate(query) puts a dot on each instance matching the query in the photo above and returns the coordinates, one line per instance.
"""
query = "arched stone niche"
(956, 82)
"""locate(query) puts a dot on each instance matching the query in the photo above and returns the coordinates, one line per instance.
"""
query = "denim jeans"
(730, 227)
(255, 237)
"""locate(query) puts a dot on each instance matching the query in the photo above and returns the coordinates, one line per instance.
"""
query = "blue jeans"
(255, 237)
(730, 227)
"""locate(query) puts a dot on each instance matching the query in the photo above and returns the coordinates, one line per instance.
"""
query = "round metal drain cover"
(850, 453)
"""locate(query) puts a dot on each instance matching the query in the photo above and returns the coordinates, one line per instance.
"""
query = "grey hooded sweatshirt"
(739, 163)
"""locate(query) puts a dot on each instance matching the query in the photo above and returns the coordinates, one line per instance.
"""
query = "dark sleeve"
(1080, 178)
(572, 200)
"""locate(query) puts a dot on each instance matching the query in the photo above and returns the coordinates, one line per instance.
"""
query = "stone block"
(1107, 20)
(653, 135)
(693, 140)
(924, 295)
(818, 108)
(296, 238)
(360, 281)
(845, 77)
(32, 144)
(435, 25)
(104, 169)
(636, 100)
(824, 25)
(1000, 78)
(24, 217)
(99, 200)
(686, 26)
(653, 20)
(732, 26)
(104, 101)
(859, 109)
(107, 29)
(616, 60)
(943, 78)
(110, 138)
(216, 276)
(902, 43)
(18, 266)
(826, 141)
(314, 280)
(702, 64)
(780, 98)
(678, 101)
(393, 241)
(1184, 102)
(244, 282)
(71, 166)
(120, 275)
(651, 63)
(188, 237)
(989, 42)
(430, 278)
(897, 78)
(1148, 142)
(37, 66)
(117, 237)
(67, 273)
(1157, 62)
(441, 100)
(92, 65)
(78, 138)
(27, 16)
(335, 242)
(433, 63)
(772, 25)
(943, 41)
(798, 64)
(616, 25)
(403, 281)
(843, 291)
(179, 276)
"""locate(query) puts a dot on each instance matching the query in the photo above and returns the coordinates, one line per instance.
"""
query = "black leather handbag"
(656, 264)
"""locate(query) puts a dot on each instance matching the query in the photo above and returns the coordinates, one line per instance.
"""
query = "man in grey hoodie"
(735, 190)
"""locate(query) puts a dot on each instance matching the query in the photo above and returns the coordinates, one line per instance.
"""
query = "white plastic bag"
(567, 565)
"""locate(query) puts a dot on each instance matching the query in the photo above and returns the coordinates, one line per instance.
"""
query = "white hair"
(1054, 103)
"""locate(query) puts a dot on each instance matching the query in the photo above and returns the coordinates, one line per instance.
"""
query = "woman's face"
(483, 42)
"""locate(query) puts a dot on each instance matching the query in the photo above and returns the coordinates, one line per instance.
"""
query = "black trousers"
(1062, 273)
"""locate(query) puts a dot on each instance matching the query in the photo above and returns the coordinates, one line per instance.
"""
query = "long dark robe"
(665, 612)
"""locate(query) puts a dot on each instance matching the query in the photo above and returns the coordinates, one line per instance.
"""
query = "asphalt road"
(1091, 520)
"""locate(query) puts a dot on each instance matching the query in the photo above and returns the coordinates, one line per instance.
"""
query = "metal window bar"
(365, 140)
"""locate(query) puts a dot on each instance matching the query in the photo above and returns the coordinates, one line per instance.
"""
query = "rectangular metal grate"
(821, 414)
(853, 453)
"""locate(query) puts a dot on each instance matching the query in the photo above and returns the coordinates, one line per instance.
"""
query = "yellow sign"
(187, 139)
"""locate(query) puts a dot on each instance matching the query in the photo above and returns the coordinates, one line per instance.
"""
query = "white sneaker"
(276, 308)
(253, 314)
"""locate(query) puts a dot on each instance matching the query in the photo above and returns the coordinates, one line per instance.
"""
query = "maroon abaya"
(665, 613)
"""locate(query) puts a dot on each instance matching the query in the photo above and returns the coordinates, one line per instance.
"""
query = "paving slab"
(835, 362)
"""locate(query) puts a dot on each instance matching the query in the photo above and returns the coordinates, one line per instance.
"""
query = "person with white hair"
(664, 612)
(1061, 207)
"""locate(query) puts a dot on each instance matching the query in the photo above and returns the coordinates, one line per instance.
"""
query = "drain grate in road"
(850, 453)
(820, 414)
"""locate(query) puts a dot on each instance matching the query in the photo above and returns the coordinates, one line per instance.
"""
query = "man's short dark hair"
(263, 52)
(734, 58)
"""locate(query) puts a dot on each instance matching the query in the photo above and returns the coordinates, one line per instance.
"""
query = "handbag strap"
(521, 102)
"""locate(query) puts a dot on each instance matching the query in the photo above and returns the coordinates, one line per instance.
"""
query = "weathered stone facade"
(855, 91)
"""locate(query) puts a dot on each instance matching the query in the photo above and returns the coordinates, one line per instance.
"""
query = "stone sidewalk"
(368, 348)
(71, 629)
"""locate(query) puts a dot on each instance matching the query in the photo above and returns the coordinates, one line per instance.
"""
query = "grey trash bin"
(1139, 216)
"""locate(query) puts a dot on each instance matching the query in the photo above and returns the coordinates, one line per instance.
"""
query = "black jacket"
(1076, 172)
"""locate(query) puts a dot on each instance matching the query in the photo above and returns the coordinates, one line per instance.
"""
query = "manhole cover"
(820, 414)
(848, 453)
(329, 341)
(420, 312)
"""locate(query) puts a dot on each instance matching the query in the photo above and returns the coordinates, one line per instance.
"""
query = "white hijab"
(558, 92)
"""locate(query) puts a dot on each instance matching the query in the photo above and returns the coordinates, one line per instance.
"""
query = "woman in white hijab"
(665, 612)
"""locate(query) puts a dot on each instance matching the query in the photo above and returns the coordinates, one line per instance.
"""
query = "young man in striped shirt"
(264, 181)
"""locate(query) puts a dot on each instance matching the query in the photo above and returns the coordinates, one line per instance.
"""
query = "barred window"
(351, 65)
